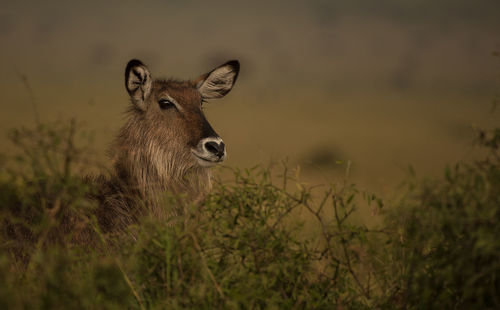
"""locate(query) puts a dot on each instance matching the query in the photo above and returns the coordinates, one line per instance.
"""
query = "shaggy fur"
(152, 154)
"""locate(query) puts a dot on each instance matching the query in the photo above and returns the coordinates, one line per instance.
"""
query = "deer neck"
(151, 170)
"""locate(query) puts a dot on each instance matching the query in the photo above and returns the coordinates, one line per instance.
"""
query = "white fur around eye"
(177, 105)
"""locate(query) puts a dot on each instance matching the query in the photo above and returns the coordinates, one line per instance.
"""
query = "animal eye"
(165, 104)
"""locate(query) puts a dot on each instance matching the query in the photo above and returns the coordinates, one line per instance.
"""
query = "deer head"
(168, 114)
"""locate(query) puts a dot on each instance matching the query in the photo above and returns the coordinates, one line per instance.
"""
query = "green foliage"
(61, 279)
(260, 241)
(42, 195)
(448, 252)
(246, 249)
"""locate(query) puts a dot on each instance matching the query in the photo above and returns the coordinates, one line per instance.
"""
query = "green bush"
(448, 252)
(42, 192)
(263, 240)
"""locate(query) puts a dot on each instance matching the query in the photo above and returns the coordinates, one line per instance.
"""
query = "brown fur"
(152, 155)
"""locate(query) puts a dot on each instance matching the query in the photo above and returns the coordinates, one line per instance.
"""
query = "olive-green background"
(383, 84)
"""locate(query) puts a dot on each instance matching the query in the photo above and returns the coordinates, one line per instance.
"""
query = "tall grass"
(250, 245)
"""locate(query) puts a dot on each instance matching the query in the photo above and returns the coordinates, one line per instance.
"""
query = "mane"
(145, 175)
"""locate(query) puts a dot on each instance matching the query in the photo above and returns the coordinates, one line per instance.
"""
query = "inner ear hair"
(218, 82)
(138, 81)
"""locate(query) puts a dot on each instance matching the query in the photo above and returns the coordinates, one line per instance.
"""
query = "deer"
(166, 145)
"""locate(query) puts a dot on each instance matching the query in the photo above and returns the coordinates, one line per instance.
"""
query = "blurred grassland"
(381, 85)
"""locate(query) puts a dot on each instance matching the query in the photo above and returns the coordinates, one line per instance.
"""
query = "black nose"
(215, 148)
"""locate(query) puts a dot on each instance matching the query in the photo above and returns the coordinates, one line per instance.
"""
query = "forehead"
(181, 91)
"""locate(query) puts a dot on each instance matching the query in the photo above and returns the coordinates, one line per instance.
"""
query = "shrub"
(263, 240)
(245, 248)
(448, 254)
(42, 193)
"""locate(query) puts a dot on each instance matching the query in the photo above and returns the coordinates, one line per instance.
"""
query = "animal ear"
(138, 82)
(218, 82)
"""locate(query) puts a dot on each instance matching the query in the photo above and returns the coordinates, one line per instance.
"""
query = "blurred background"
(382, 84)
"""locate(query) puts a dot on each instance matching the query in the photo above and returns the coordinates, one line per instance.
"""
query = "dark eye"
(165, 104)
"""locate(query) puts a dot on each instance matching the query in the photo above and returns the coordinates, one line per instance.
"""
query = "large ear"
(138, 82)
(218, 82)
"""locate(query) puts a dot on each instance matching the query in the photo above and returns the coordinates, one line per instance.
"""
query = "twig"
(125, 276)
(365, 292)
(31, 95)
(197, 245)
(68, 156)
